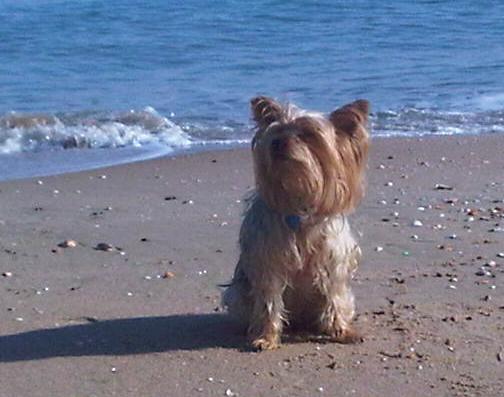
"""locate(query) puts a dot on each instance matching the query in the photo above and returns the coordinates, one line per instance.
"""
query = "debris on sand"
(168, 275)
(68, 244)
(104, 247)
(441, 186)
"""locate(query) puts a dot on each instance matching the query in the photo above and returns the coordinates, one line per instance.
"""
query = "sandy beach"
(129, 305)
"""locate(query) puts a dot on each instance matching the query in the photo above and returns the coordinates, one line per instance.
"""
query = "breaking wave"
(36, 132)
(47, 144)
(21, 132)
(419, 122)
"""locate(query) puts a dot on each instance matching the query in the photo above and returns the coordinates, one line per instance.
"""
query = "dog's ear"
(265, 111)
(351, 119)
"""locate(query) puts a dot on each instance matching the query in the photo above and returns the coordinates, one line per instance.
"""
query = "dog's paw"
(265, 343)
(347, 336)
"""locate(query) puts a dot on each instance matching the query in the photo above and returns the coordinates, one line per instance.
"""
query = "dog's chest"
(312, 249)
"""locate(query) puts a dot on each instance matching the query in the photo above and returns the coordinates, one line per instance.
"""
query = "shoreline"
(143, 316)
(94, 158)
(146, 154)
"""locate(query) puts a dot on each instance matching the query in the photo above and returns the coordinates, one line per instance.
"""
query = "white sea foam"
(141, 128)
(28, 133)
(34, 144)
(420, 122)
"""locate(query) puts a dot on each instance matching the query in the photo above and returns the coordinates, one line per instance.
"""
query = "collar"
(294, 222)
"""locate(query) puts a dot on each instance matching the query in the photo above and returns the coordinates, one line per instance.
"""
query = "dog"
(297, 252)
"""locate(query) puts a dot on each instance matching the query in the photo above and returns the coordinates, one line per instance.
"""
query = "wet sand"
(133, 309)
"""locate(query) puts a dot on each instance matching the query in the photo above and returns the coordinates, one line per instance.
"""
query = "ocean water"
(90, 83)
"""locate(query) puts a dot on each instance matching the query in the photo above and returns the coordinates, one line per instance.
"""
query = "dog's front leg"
(338, 306)
(336, 316)
(267, 313)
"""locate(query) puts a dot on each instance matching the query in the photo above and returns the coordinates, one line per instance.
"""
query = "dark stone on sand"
(104, 247)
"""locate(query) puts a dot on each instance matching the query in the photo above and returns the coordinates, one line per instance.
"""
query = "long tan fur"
(297, 250)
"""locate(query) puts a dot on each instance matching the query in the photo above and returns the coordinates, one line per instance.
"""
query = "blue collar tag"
(293, 222)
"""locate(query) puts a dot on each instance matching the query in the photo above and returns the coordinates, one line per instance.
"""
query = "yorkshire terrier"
(298, 253)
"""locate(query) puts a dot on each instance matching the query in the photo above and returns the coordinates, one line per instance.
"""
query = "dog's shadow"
(124, 337)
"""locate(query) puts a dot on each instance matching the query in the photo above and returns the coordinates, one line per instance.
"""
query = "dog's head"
(306, 163)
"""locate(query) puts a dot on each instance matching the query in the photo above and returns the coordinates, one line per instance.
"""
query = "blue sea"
(90, 83)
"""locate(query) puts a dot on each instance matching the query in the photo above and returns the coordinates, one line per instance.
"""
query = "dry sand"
(143, 318)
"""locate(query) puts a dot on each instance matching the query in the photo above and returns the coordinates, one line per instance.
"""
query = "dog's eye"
(277, 144)
(304, 135)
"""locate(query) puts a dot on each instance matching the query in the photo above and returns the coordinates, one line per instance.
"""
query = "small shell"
(168, 275)
(441, 186)
(68, 244)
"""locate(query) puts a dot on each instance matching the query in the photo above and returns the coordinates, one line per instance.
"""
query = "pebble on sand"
(168, 275)
(482, 272)
(441, 186)
(68, 244)
(104, 247)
